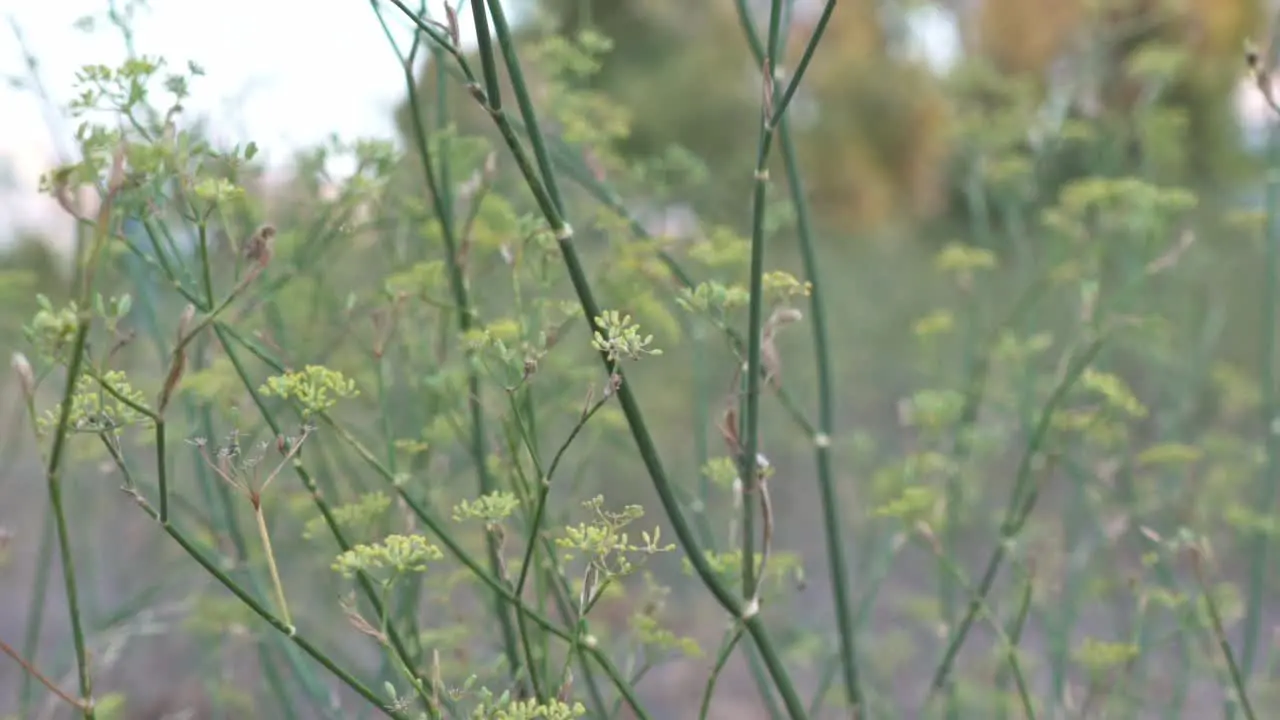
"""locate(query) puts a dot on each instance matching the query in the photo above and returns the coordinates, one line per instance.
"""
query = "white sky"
(283, 73)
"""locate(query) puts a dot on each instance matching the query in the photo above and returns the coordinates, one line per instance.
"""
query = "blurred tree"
(868, 124)
(1123, 60)
(879, 132)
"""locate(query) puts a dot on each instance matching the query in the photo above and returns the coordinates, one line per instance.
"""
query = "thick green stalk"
(1009, 643)
(635, 419)
(832, 526)
(53, 475)
(722, 657)
(488, 63)
(1261, 545)
(749, 463)
(53, 472)
(524, 102)
(546, 194)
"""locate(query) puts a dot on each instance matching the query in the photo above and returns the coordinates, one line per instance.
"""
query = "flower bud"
(22, 368)
(184, 322)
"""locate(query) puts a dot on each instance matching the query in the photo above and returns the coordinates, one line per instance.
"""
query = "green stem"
(1021, 502)
(439, 187)
(775, 119)
(488, 64)
(53, 475)
(722, 658)
(1270, 408)
(523, 101)
(279, 624)
(206, 267)
(749, 464)
(780, 107)
(265, 536)
(546, 193)
(1220, 634)
(559, 585)
(831, 516)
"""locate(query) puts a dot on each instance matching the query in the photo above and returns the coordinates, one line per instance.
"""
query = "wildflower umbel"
(396, 554)
(316, 388)
(619, 337)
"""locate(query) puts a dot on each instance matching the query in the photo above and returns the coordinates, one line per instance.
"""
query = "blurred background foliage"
(882, 132)
(1049, 113)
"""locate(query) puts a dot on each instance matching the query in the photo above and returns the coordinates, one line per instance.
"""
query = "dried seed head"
(258, 249)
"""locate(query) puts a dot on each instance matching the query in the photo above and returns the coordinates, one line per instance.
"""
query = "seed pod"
(22, 368)
(258, 249)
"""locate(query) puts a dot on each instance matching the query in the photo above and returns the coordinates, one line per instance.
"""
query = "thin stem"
(488, 64)
(1270, 407)
(1011, 648)
(523, 101)
(366, 585)
(726, 651)
(1014, 634)
(1021, 502)
(558, 583)
(546, 194)
(162, 475)
(748, 464)
(440, 530)
(1220, 634)
(53, 473)
(285, 628)
(271, 561)
(35, 612)
(202, 229)
(440, 190)
(31, 671)
(544, 489)
(832, 524)
(789, 93)
(54, 477)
